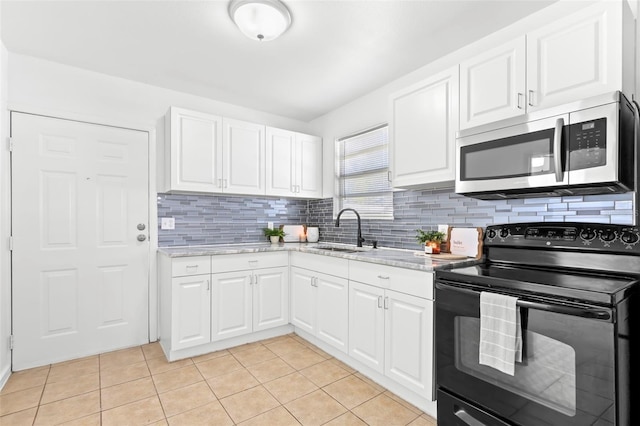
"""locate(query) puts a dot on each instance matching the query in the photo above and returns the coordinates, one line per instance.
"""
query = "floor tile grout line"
(153, 382)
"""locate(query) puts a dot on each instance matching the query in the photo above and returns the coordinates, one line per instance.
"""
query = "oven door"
(525, 156)
(567, 376)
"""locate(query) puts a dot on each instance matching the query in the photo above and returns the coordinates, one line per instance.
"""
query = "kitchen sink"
(338, 249)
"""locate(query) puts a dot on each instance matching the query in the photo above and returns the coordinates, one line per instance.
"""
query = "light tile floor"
(280, 381)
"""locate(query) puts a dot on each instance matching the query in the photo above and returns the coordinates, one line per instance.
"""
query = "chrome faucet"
(360, 239)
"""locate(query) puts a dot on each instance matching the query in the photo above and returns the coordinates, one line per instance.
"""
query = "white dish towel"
(500, 332)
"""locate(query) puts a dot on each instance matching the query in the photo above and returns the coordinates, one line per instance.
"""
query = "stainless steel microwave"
(586, 147)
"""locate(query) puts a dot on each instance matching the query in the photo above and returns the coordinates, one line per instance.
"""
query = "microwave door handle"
(557, 149)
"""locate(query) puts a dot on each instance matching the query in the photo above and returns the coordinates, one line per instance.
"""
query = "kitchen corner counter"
(383, 256)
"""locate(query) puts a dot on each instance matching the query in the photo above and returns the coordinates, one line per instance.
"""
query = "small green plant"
(423, 237)
(275, 232)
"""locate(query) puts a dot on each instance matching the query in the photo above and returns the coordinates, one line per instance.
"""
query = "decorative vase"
(274, 239)
(432, 247)
(313, 234)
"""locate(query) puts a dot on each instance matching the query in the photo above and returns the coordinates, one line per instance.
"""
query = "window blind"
(362, 180)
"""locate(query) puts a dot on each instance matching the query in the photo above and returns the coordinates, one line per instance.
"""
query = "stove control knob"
(491, 234)
(607, 236)
(504, 233)
(629, 238)
(587, 234)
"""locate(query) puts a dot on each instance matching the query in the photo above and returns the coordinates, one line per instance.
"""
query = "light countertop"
(383, 256)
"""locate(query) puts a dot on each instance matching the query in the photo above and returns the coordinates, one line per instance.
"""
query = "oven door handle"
(576, 311)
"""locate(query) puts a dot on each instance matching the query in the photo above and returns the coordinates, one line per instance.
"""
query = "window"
(362, 174)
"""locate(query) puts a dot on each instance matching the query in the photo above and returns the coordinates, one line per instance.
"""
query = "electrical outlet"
(445, 230)
(168, 223)
(270, 225)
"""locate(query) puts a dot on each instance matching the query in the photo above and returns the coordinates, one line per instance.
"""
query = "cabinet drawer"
(408, 281)
(246, 261)
(318, 262)
(196, 265)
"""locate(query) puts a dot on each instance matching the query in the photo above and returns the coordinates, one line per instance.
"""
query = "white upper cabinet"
(211, 154)
(294, 164)
(584, 54)
(243, 157)
(194, 154)
(492, 85)
(575, 57)
(424, 121)
(308, 166)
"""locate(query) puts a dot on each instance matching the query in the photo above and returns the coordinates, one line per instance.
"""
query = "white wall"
(5, 226)
(372, 109)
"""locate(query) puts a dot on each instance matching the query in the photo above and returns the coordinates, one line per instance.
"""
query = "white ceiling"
(334, 52)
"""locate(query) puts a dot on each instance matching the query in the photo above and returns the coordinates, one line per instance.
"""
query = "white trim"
(150, 129)
(4, 376)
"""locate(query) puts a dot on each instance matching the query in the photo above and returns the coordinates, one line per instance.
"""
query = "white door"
(302, 300)
(191, 324)
(309, 166)
(196, 151)
(332, 310)
(575, 57)
(409, 342)
(492, 85)
(80, 275)
(244, 157)
(231, 301)
(270, 298)
(280, 162)
(366, 325)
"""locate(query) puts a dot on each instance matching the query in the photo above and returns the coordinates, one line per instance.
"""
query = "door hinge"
(10, 142)
(11, 243)
(11, 342)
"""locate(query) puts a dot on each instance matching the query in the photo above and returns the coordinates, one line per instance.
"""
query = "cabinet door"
(409, 342)
(332, 310)
(424, 121)
(575, 57)
(492, 85)
(270, 298)
(195, 155)
(308, 166)
(366, 325)
(231, 304)
(191, 322)
(244, 157)
(281, 166)
(303, 304)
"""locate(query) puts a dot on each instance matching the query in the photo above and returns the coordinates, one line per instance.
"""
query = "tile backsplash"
(224, 219)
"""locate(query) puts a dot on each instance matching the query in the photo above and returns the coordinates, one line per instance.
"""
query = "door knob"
(141, 227)
(142, 237)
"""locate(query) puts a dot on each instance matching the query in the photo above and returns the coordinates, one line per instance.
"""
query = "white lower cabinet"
(246, 300)
(319, 301)
(391, 331)
(190, 299)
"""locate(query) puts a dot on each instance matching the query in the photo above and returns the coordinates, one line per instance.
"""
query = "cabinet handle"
(208, 285)
(253, 261)
(383, 277)
(520, 96)
(219, 183)
(531, 98)
(389, 175)
(314, 281)
(225, 183)
(192, 266)
(379, 301)
(386, 303)
(255, 281)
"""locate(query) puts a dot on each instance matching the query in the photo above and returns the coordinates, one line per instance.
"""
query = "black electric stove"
(577, 288)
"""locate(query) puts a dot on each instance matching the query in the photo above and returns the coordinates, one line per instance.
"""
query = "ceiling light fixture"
(260, 20)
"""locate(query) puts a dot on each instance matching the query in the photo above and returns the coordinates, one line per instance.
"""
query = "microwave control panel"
(587, 144)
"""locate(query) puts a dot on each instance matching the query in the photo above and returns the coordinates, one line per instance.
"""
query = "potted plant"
(273, 234)
(431, 240)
